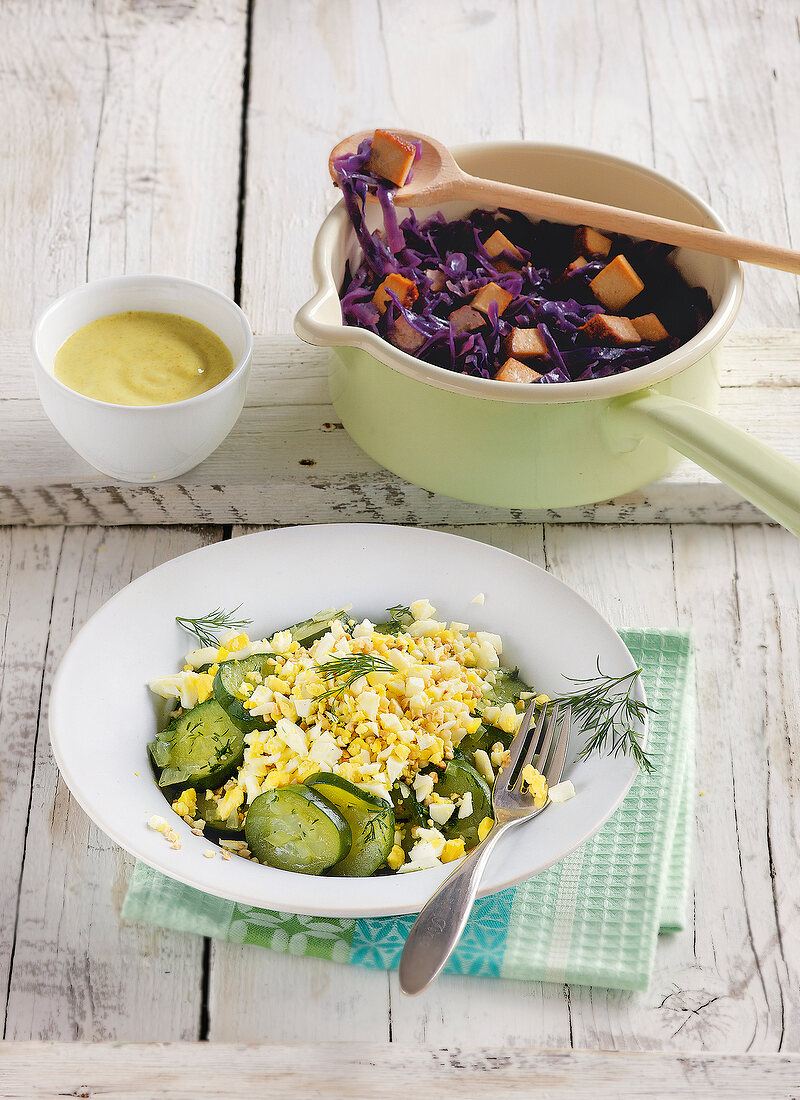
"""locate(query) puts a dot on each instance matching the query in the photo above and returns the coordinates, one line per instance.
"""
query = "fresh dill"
(224, 750)
(605, 707)
(350, 669)
(369, 831)
(206, 628)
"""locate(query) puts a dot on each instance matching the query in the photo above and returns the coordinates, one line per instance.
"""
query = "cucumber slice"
(409, 811)
(309, 630)
(230, 688)
(506, 688)
(208, 811)
(202, 747)
(485, 737)
(371, 821)
(406, 805)
(458, 779)
(296, 829)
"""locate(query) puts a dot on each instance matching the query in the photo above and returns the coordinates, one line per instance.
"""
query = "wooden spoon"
(437, 178)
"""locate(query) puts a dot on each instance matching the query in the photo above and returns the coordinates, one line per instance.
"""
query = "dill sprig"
(207, 627)
(369, 833)
(351, 668)
(608, 713)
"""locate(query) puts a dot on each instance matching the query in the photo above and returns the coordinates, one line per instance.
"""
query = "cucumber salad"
(339, 746)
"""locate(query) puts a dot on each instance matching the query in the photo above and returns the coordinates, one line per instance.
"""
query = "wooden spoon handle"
(571, 211)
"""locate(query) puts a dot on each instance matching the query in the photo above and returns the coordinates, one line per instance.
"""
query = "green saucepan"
(529, 446)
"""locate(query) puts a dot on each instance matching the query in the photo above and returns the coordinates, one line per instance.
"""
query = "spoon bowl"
(434, 173)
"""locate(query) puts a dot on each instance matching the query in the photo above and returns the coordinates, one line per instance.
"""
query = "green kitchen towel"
(591, 919)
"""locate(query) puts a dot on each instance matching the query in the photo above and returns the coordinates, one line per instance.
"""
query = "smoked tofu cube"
(605, 329)
(617, 284)
(579, 261)
(437, 278)
(504, 266)
(499, 242)
(650, 328)
(466, 319)
(405, 289)
(391, 157)
(514, 371)
(405, 337)
(492, 292)
(589, 240)
(524, 343)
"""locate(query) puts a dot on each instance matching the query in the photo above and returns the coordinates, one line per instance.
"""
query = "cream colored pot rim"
(308, 326)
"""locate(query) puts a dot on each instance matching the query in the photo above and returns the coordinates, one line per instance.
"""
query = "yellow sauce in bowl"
(139, 358)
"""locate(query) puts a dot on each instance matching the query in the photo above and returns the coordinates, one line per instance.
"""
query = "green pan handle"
(761, 475)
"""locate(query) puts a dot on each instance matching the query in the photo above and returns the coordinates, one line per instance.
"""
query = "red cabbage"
(546, 295)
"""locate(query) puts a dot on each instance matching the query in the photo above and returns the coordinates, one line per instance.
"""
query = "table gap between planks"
(132, 118)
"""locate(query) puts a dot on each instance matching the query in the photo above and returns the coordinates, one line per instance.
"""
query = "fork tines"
(544, 750)
(541, 745)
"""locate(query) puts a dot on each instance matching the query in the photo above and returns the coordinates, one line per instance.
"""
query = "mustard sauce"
(139, 358)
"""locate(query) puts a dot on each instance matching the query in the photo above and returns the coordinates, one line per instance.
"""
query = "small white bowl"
(143, 442)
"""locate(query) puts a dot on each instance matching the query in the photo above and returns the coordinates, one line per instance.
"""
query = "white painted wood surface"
(121, 129)
(369, 1071)
(288, 460)
(101, 977)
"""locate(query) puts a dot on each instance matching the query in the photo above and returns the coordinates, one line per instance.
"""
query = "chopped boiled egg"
(190, 687)
(562, 792)
(535, 784)
(411, 699)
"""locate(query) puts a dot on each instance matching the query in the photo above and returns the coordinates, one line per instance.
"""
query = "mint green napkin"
(592, 919)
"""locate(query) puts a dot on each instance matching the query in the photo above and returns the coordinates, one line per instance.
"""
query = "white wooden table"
(192, 138)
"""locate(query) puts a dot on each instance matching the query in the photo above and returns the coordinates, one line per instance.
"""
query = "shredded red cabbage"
(448, 263)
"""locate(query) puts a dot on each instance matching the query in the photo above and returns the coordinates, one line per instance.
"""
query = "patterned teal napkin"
(592, 919)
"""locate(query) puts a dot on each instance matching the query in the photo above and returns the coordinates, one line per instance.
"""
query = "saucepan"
(553, 446)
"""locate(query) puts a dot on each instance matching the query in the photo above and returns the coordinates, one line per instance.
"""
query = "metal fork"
(440, 923)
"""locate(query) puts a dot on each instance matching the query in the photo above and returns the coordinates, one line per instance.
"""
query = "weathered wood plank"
(572, 57)
(734, 149)
(47, 1071)
(28, 562)
(260, 996)
(734, 994)
(289, 461)
(117, 113)
(77, 971)
(766, 763)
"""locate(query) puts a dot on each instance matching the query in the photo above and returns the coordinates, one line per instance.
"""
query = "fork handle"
(438, 928)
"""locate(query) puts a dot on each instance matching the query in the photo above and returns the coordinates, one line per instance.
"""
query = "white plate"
(102, 714)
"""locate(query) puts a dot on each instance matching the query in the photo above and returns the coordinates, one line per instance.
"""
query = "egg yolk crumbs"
(535, 784)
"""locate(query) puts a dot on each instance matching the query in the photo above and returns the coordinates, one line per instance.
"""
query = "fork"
(438, 928)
